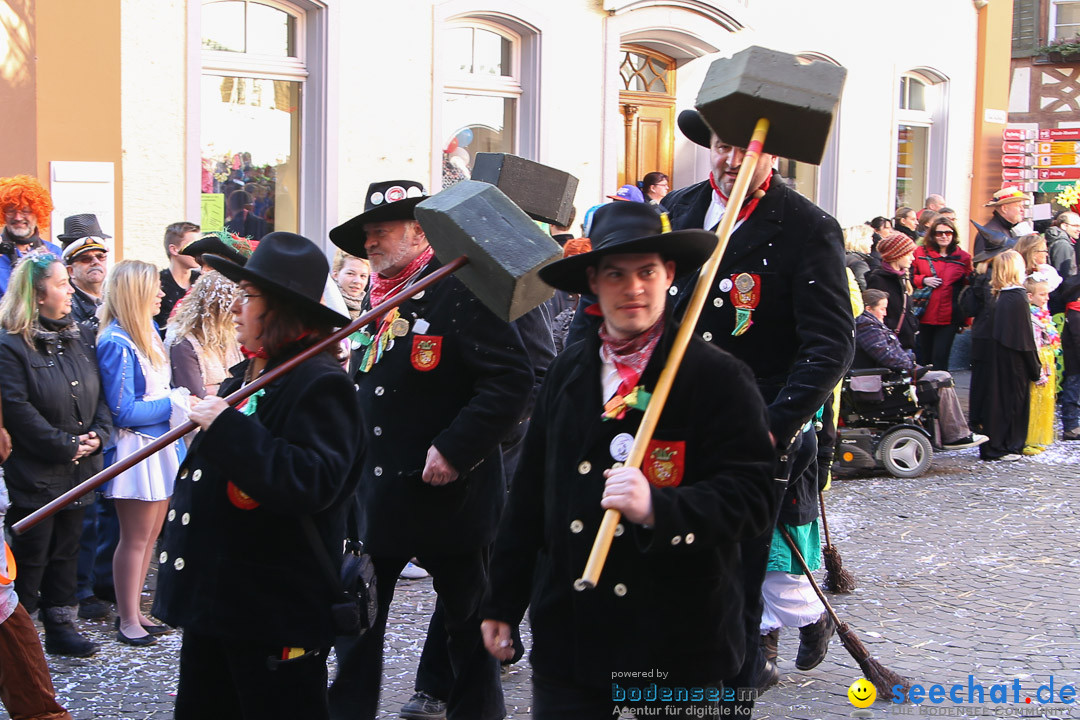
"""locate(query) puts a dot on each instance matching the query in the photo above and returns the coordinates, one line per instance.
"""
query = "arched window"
(252, 87)
(488, 67)
(920, 138)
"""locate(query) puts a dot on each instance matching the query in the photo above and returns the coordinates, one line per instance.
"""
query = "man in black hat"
(667, 612)
(441, 381)
(85, 254)
(781, 305)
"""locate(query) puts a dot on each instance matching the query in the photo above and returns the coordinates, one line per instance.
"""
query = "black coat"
(803, 336)
(669, 597)
(1013, 366)
(51, 394)
(898, 315)
(468, 399)
(247, 573)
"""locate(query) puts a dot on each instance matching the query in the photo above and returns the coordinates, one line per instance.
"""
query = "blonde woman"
(1033, 249)
(351, 274)
(136, 380)
(201, 337)
(858, 240)
(1013, 363)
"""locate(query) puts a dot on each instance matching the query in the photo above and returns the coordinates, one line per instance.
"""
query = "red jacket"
(953, 270)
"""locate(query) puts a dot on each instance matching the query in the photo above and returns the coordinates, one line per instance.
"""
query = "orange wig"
(25, 191)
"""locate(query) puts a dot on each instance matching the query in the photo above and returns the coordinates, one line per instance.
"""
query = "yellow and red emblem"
(665, 462)
(426, 352)
(239, 498)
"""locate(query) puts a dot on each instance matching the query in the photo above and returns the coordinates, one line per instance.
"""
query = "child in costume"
(1041, 417)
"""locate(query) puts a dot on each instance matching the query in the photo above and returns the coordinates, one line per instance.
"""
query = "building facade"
(152, 112)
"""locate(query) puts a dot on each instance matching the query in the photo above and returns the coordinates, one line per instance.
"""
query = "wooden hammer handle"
(265, 379)
(606, 532)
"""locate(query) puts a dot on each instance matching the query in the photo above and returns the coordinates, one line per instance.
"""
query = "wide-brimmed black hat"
(385, 201)
(289, 266)
(213, 245)
(995, 242)
(694, 128)
(77, 227)
(630, 228)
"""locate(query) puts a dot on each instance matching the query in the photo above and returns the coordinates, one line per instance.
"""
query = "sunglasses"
(90, 257)
(943, 233)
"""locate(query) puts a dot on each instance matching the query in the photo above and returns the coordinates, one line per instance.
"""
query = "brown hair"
(175, 233)
(872, 297)
(931, 244)
(1027, 246)
(284, 324)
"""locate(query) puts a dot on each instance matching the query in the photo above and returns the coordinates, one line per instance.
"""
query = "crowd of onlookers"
(1018, 297)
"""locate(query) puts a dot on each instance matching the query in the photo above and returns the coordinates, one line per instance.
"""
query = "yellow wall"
(19, 118)
(992, 74)
(77, 47)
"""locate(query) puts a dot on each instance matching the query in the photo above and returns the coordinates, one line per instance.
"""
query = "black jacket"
(52, 394)
(669, 597)
(803, 336)
(84, 309)
(473, 391)
(235, 570)
(898, 316)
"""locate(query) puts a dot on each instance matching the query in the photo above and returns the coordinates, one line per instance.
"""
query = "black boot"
(61, 638)
(770, 644)
(814, 642)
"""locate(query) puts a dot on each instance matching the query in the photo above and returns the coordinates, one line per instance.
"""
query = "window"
(481, 98)
(252, 91)
(920, 138)
(648, 73)
(1025, 30)
(1066, 20)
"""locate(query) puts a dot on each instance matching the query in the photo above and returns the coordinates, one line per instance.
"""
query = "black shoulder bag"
(921, 297)
(357, 604)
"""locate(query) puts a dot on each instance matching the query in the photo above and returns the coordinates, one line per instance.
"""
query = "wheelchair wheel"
(905, 453)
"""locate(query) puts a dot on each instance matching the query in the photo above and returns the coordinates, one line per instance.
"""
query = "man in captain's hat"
(1006, 225)
(780, 304)
(441, 381)
(668, 607)
(85, 254)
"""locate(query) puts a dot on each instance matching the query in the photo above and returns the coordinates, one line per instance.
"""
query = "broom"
(882, 677)
(837, 579)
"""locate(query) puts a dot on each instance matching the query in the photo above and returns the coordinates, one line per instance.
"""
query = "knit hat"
(895, 246)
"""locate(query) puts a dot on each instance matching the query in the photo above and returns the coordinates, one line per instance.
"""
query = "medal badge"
(665, 462)
(745, 296)
(426, 352)
(399, 328)
(239, 498)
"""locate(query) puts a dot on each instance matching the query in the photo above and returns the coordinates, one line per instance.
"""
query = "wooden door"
(647, 104)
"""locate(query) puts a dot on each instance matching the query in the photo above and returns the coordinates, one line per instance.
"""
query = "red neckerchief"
(752, 199)
(630, 356)
(1074, 305)
(261, 352)
(383, 287)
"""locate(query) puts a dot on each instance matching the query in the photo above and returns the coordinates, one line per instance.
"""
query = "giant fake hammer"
(765, 101)
(472, 226)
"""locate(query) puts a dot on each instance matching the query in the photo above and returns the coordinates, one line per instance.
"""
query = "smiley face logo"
(862, 693)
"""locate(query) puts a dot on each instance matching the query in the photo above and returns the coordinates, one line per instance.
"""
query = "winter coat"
(954, 270)
(898, 317)
(51, 394)
(1062, 251)
(670, 595)
(236, 562)
(876, 346)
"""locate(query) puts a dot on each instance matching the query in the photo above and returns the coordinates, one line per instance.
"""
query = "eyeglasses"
(12, 212)
(246, 297)
(98, 257)
(943, 233)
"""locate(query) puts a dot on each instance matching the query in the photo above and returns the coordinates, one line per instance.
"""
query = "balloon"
(451, 146)
(462, 154)
(464, 137)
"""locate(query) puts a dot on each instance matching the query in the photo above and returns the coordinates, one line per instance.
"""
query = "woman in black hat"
(238, 570)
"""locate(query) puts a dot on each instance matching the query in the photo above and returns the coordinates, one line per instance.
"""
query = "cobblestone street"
(973, 569)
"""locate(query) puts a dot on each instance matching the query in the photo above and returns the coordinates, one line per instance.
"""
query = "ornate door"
(647, 104)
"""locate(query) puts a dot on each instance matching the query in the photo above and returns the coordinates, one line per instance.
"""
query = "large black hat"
(630, 228)
(213, 245)
(385, 201)
(694, 128)
(80, 226)
(287, 265)
(995, 242)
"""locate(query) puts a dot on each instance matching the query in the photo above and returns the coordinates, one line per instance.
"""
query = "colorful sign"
(1017, 134)
(1023, 147)
(1008, 173)
(213, 212)
(1059, 134)
(1059, 174)
(1055, 160)
(1017, 161)
(1057, 148)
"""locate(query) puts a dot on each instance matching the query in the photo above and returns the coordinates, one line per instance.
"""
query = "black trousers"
(476, 691)
(230, 679)
(47, 556)
(935, 345)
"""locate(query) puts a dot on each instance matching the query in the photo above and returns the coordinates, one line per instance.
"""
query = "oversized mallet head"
(544, 193)
(799, 100)
(505, 248)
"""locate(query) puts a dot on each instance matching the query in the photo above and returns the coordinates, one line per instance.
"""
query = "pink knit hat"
(895, 246)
